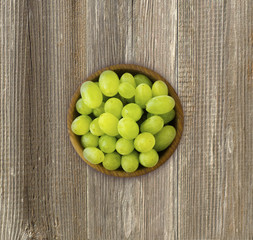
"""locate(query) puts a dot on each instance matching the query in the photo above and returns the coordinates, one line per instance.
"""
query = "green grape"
(128, 77)
(143, 94)
(159, 88)
(109, 83)
(152, 125)
(114, 106)
(124, 146)
(82, 108)
(105, 98)
(164, 138)
(160, 104)
(112, 161)
(140, 78)
(95, 129)
(128, 128)
(91, 94)
(107, 143)
(126, 90)
(99, 110)
(144, 142)
(109, 124)
(89, 140)
(149, 159)
(169, 116)
(130, 162)
(93, 155)
(81, 125)
(133, 111)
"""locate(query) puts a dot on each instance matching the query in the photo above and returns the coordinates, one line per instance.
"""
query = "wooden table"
(204, 49)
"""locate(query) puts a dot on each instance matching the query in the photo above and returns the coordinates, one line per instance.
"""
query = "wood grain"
(204, 49)
(113, 207)
(40, 176)
(14, 99)
(215, 86)
(155, 46)
(56, 188)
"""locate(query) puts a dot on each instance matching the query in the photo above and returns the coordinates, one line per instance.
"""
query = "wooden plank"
(42, 61)
(215, 85)
(14, 149)
(112, 203)
(145, 207)
(155, 47)
(203, 192)
(56, 181)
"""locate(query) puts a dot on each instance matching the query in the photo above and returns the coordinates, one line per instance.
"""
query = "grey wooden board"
(216, 87)
(203, 48)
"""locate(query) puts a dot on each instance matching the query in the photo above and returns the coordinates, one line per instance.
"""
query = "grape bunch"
(124, 122)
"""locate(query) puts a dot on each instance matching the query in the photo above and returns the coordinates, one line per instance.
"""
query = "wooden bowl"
(178, 121)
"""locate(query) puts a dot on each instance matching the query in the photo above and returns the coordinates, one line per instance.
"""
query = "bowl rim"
(153, 76)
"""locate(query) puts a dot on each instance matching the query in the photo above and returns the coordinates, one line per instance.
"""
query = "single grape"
(105, 98)
(109, 124)
(140, 78)
(124, 146)
(99, 110)
(128, 77)
(126, 90)
(159, 88)
(144, 142)
(130, 162)
(112, 161)
(89, 140)
(160, 104)
(93, 155)
(133, 111)
(107, 144)
(152, 125)
(128, 128)
(109, 83)
(91, 94)
(95, 129)
(149, 159)
(81, 125)
(164, 138)
(114, 106)
(169, 116)
(143, 94)
(82, 108)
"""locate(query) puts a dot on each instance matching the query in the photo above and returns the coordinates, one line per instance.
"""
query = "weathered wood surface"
(204, 48)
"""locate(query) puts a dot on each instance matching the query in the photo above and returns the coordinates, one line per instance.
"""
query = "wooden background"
(204, 49)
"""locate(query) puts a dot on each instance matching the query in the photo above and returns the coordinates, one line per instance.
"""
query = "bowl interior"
(178, 121)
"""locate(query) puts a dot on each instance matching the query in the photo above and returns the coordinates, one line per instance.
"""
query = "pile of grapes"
(124, 122)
